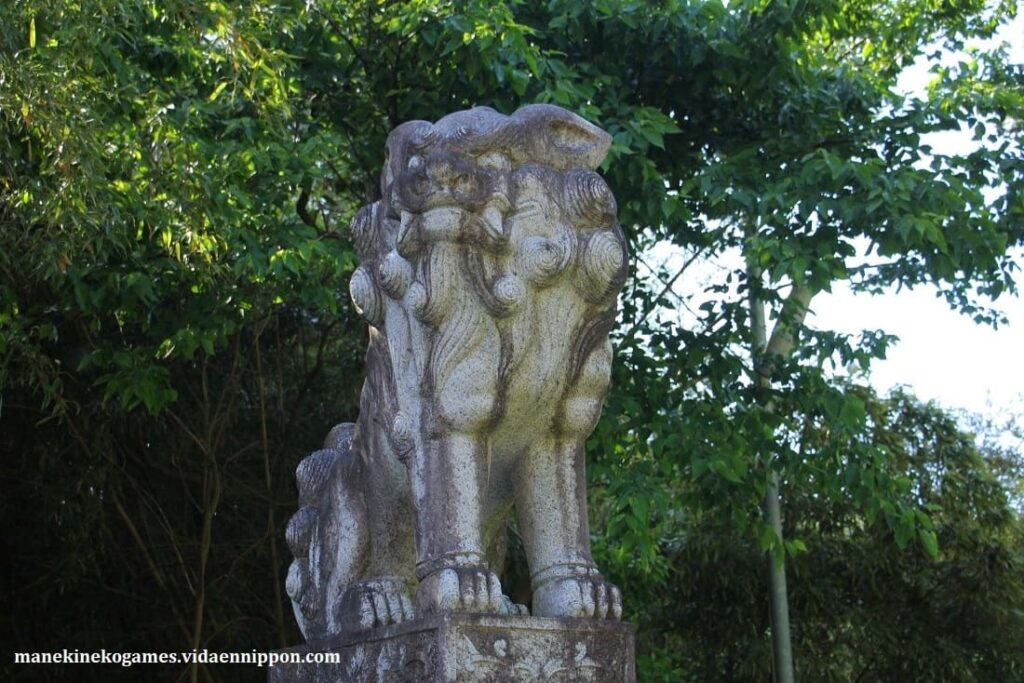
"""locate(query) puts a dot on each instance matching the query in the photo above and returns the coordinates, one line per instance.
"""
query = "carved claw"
(461, 589)
(584, 595)
(513, 609)
(369, 604)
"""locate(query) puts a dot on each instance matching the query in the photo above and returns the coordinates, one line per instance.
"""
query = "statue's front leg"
(552, 508)
(447, 483)
(551, 502)
(448, 475)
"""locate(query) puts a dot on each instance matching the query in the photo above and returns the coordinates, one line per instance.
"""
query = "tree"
(174, 332)
(171, 321)
(865, 609)
(792, 148)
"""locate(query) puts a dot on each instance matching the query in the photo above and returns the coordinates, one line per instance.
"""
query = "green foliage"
(175, 332)
(863, 608)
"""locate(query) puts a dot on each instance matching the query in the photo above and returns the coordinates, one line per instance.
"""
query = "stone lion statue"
(490, 271)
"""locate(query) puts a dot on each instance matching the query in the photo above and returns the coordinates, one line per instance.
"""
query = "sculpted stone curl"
(489, 275)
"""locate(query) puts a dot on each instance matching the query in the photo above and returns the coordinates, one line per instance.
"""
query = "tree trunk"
(765, 356)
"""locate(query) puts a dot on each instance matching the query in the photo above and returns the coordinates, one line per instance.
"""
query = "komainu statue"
(490, 271)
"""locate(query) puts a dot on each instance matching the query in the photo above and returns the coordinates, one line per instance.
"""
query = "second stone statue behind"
(490, 271)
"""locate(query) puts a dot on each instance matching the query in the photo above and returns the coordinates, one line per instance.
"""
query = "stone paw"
(513, 609)
(369, 604)
(461, 589)
(585, 594)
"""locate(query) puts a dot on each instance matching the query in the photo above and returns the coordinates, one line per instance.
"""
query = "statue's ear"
(558, 138)
(399, 145)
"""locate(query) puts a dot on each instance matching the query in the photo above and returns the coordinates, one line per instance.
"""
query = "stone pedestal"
(467, 647)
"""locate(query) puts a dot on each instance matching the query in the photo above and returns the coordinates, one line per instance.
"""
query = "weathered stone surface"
(463, 647)
(489, 275)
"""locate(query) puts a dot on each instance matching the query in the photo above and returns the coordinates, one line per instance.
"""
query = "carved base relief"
(475, 648)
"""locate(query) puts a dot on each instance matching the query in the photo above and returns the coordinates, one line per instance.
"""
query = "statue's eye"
(415, 161)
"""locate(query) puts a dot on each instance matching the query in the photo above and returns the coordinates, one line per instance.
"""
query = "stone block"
(459, 647)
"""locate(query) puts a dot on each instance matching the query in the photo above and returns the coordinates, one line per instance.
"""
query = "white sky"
(942, 355)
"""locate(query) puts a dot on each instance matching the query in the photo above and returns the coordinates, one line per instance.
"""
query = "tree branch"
(666, 287)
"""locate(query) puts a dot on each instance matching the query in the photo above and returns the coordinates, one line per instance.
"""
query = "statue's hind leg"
(379, 596)
(351, 570)
(328, 535)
